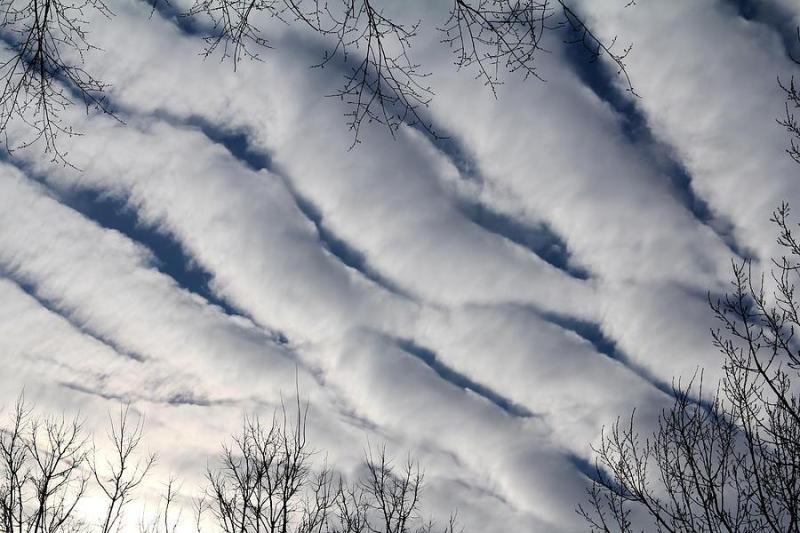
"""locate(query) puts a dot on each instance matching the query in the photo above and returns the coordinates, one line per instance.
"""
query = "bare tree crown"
(45, 41)
(42, 71)
(47, 464)
(267, 479)
(731, 463)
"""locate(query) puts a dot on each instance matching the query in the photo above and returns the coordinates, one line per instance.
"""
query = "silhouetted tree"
(732, 463)
(43, 472)
(384, 499)
(46, 467)
(265, 482)
(42, 69)
(122, 472)
(789, 120)
(45, 40)
(495, 36)
(166, 519)
(697, 472)
(383, 82)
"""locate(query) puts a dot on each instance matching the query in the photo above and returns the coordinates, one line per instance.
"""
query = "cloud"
(489, 300)
(710, 102)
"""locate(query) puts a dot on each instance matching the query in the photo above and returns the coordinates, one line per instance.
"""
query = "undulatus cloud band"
(484, 285)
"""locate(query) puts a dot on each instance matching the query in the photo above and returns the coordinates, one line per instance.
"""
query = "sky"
(486, 301)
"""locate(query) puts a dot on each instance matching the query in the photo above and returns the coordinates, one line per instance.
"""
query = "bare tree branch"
(122, 473)
(732, 465)
(42, 69)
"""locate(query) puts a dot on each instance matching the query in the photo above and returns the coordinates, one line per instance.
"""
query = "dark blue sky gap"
(31, 290)
(539, 239)
(171, 258)
(235, 141)
(775, 17)
(589, 469)
(188, 25)
(340, 249)
(115, 213)
(460, 380)
(455, 151)
(593, 333)
(238, 144)
(600, 78)
(584, 466)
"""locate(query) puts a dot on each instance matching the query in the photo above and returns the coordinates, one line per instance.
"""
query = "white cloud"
(414, 307)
